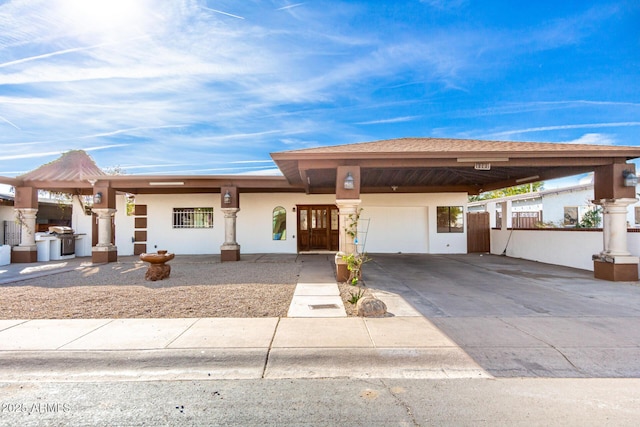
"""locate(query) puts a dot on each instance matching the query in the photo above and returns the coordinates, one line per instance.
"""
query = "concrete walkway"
(304, 345)
(317, 293)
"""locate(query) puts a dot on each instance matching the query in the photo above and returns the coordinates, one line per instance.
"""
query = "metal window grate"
(11, 232)
(192, 217)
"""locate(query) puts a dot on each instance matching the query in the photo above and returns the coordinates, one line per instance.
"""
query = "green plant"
(590, 219)
(355, 297)
(354, 265)
(352, 227)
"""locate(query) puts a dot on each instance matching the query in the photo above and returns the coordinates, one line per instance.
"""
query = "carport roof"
(442, 164)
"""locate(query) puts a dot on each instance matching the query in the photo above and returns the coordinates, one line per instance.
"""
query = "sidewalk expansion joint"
(266, 359)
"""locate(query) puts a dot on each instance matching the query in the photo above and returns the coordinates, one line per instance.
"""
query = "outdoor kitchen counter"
(48, 247)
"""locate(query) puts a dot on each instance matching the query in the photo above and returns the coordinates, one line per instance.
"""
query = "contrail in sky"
(62, 52)
(6, 120)
(224, 13)
(290, 6)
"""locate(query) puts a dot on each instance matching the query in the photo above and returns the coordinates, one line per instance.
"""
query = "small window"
(335, 219)
(570, 216)
(279, 224)
(450, 219)
(192, 217)
(304, 226)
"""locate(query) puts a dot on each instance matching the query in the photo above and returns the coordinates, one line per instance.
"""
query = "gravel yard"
(197, 287)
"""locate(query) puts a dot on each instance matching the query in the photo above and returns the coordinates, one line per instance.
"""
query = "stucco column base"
(104, 254)
(615, 262)
(229, 253)
(230, 249)
(24, 254)
(615, 272)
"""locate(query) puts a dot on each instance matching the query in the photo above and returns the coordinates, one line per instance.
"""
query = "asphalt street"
(324, 402)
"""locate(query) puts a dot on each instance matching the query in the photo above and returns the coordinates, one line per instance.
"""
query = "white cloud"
(511, 133)
(593, 138)
(392, 120)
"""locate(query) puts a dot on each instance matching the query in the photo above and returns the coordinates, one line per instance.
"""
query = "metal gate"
(11, 232)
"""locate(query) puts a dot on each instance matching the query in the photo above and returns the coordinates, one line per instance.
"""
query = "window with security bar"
(192, 217)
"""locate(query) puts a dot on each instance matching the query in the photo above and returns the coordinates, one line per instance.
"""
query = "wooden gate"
(478, 233)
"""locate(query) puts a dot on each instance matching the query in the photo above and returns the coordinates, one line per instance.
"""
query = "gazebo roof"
(75, 165)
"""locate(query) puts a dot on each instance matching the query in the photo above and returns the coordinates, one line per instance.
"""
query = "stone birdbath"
(158, 269)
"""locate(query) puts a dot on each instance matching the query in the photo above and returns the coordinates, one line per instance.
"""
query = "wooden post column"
(614, 262)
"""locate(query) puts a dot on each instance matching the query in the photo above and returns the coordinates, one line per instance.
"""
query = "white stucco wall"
(561, 247)
(255, 216)
(398, 223)
(7, 213)
(162, 235)
(407, 223)
(81, 224)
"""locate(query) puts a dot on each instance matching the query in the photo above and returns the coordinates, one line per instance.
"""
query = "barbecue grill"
(67, 239)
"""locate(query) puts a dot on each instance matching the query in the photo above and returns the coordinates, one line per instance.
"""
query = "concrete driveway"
(519, 318)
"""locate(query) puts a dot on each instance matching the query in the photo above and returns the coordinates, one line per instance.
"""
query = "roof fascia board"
(394, 159)
(15, 182)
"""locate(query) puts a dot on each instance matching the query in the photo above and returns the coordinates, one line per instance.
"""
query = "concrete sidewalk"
(149, 349)
(311, 343)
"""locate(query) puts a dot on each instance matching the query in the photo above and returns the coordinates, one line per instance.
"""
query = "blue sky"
(212, 87)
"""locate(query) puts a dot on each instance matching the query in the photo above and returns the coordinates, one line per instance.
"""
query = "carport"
(428, 165)
(519, 318)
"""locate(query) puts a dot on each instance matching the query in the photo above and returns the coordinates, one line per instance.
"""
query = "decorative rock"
(371, 307)
(157, 272)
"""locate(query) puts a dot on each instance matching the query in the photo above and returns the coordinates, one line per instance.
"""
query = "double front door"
(318, 228)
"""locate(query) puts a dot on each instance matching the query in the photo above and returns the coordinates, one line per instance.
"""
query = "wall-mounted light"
(349, 182)
(227, 198)
(97, 198)
(293, 209)
(630, 178)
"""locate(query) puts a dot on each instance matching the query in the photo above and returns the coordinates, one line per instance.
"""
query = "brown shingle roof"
(450, 146)
(75, 165)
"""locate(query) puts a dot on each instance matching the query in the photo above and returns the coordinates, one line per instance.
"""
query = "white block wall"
(568, 248)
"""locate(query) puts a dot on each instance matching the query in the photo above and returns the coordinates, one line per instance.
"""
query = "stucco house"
(411, 192)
